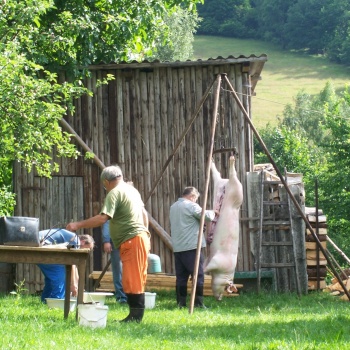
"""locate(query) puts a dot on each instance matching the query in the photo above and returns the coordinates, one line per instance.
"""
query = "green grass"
(284, 74)
(250, 321)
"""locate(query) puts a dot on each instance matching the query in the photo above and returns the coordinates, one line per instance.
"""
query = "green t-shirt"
(123, 204)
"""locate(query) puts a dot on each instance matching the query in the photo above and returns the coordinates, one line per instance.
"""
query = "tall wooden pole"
(204, 204)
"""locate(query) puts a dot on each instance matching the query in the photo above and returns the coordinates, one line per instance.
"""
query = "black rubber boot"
(181, 295)
(198, 300)
(136, 308)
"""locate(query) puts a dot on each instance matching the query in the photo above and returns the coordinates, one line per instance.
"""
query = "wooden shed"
(139, 121)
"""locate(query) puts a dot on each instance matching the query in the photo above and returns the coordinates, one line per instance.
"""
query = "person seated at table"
(55, 274)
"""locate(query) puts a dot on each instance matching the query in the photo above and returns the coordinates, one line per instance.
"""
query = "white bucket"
(95, 297)
(92, 315)
(150, 300)
(54, 303)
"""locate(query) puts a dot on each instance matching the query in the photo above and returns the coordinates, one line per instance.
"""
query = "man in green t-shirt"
(124, 208)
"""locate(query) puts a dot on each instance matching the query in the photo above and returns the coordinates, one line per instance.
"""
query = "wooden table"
(41, 255)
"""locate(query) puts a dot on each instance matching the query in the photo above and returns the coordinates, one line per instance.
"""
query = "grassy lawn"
(284, 74)
(250, 321)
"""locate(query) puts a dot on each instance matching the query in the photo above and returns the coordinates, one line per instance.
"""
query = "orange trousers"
(134, 257)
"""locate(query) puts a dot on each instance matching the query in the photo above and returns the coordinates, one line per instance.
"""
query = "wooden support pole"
(338, 250)
(85, 147)
(204, 204)
(297, 206)
(343, 274)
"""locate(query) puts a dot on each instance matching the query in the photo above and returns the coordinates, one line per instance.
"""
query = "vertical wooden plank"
(135, 121)
(192, 141)
(22, 269)
(144, 123)
(198, 147)
(36, 213)
(178, 160)
(96, 112)
(151, 205)
(170, 195)
(139, 169)
(243, 252)
(112, 121)
(103, 141)
(164, 135)
(188, 112)
(127, 128)
(156, 165)
(183, 181)
(120, 120)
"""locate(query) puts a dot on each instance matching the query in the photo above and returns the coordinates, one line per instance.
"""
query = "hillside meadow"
(284, 74)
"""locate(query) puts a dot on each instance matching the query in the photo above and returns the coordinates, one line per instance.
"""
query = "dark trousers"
(184, 266)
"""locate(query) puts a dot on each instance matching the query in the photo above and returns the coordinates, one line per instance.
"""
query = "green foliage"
(336, 198)
(227, 18)
(175, 43)
(7, 200)
(290, 150)
(301, 15)
(83, 32)
(31, 100)
(20, 290)
(308, 114)
(272, 16)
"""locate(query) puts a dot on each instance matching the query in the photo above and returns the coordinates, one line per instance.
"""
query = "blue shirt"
(59, 236)
(106, 238)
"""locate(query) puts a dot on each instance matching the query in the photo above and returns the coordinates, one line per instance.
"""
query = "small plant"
(19, 289)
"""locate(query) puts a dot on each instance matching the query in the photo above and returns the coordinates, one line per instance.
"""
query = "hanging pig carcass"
(223, 235)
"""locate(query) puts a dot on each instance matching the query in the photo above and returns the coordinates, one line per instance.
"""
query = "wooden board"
(321, 231)
(159, 281)
(313, 245)
(312, 285)
(320, 218)
(311, 262)
(312, 255)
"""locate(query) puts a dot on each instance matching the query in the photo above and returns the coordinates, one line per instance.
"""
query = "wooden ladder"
(275, 217)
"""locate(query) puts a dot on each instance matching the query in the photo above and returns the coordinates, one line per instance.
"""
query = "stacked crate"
(315, 260)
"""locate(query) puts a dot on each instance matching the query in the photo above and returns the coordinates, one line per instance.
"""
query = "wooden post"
(204, 204)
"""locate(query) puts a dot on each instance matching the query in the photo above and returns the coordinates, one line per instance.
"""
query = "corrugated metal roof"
(156, 63)
(256, 64)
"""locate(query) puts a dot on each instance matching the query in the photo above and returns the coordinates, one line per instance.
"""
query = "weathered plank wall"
(136, 121)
